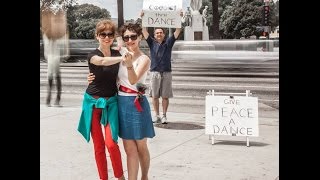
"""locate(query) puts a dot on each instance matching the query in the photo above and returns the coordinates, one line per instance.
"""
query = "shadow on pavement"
(180, 126)
(239, 143)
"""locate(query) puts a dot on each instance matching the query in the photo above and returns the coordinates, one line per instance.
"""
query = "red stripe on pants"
(100, 150)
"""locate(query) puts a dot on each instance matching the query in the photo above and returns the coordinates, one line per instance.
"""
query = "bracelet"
(130, 68)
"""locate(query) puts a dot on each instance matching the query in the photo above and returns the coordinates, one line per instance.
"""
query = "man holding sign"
(160, 52)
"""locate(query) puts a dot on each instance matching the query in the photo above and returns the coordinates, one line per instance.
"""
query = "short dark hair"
(131, 27)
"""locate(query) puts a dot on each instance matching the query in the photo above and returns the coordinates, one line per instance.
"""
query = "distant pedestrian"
(160, 76)
(100, 103)
(55, 41)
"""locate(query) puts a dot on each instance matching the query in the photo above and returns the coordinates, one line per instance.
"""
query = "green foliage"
(241, 19)
(85, 29)
(45, 4)
(82, 20)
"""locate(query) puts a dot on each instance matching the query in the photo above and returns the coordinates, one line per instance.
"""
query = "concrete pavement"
(176, 153)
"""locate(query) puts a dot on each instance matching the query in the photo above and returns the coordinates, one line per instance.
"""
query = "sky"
(131, 8)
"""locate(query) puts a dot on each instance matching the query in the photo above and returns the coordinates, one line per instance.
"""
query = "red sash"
(137, 99)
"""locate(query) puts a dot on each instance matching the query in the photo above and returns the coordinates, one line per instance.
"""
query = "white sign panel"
(162, 13)
(237, 116)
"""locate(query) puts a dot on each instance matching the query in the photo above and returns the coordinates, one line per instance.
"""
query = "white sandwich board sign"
(234, 116)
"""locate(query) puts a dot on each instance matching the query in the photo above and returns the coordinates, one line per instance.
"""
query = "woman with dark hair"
(134, 110)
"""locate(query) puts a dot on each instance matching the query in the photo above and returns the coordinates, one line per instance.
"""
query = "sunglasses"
(104, 35)
(132, 37)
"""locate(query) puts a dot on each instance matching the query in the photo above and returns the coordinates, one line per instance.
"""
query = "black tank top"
(104, 84)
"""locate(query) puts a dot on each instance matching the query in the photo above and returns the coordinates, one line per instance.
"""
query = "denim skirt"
(133, 124)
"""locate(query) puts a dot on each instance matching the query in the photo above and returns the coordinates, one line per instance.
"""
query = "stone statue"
(196, 4)
(187, 17)
(205, 15)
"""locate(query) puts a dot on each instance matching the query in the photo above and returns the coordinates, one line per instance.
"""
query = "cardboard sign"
(162, 13)
(237, 116)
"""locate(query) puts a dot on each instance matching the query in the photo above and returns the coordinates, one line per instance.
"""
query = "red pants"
(100, 147)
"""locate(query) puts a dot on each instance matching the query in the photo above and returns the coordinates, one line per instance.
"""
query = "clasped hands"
(127, 58)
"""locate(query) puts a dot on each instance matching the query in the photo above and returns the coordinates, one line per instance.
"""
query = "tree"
(82, 20)
(241, 19)
(223, 5)
(46, 5)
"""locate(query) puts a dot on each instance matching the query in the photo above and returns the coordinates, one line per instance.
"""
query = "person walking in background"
(135, 120)
(55, 41)
(100, 103)
(160, 76)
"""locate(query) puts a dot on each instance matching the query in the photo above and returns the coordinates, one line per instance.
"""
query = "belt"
(97, 97)
(138, 97)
